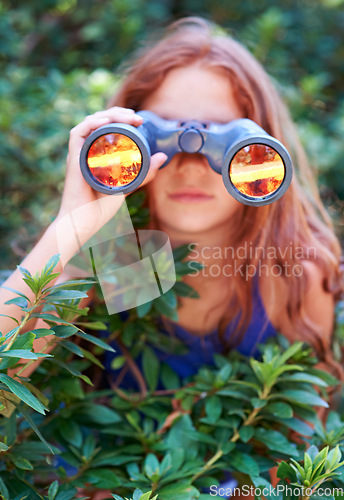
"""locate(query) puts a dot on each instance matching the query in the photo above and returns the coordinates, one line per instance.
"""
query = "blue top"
(201, 349)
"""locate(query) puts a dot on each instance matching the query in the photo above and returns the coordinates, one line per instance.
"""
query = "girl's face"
(189, 197)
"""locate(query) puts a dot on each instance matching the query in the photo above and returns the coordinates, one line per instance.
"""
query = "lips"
(190, 195)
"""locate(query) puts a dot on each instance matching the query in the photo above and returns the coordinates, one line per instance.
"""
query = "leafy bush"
(175, 442)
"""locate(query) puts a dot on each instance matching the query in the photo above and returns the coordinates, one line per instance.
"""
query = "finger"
(116, 109)
(118, 115)
(81, 131)
(157, 161)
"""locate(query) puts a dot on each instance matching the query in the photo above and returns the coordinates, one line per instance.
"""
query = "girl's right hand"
(77, 194)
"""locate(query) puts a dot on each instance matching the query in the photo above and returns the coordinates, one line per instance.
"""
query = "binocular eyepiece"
(256, 168)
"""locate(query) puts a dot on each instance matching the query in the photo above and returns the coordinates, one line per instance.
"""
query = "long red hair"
(298, 219)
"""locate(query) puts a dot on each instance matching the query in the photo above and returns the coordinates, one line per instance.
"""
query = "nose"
(189, 162)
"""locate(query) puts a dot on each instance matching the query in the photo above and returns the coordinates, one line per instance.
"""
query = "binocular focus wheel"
(115, 159)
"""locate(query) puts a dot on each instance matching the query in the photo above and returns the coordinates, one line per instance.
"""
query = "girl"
(195, 73)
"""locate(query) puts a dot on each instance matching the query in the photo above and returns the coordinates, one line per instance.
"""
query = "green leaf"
(150, 366)
(162, 307)
(184, 290)
(297, 425)
(257, 368)
(118, 362)
(89, 447)
(32, 284)
(246, 432)
(50, 317)
(334, 457)
(144, 309)
(258, 403)
(279, 409)
(137, 494)
(24, 410)
(275, 441)
(147, 495)
(69, 367)
(151, 465)
(38, 333)
(102, 415)
(17, 301)
(64, 331)
(213, 408)
(181, 252)
(303, 377)
(88, 355)
(301, 397)
(170, 299)
(71, 432)
(189, 267)
(22, 393)
(86, 379)
(44, 280)
(24, 353)
(223, 375)
(307, 462)
(11, 317)
(23, 341)
(169, 377)
(94, 325)
(95, 340)
(327, 377)
(66, 492)
(24, 271)
(285, 471)
(290, 352)
(102, 478)
(71, 283)
(75, 349)
(243, 463)
(3, 489)
(16, 292)
(3, 447)
(65, 295)
(21, 463)
(51, 264)
(53, 489)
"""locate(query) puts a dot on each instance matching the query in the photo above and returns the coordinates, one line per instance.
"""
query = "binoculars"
(256, 168)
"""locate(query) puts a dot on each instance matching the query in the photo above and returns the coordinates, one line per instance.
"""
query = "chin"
(194, 225)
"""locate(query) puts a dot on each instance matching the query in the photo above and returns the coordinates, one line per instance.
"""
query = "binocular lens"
(257, 170)
(114, 160)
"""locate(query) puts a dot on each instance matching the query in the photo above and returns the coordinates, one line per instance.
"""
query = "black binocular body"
(256, 168)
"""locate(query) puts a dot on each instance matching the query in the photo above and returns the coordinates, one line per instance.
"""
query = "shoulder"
(317, 307)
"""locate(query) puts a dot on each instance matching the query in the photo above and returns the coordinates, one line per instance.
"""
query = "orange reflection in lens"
(257, 170)
(114, 160)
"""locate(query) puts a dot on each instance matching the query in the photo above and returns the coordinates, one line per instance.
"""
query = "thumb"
(156, 161)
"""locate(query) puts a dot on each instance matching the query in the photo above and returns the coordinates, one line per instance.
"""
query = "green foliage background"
(59, 61)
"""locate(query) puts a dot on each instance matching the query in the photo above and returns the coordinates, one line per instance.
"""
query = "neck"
(216, 237)
(213, 249)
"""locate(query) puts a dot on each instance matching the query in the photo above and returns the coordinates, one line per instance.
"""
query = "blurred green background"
(59, 62)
